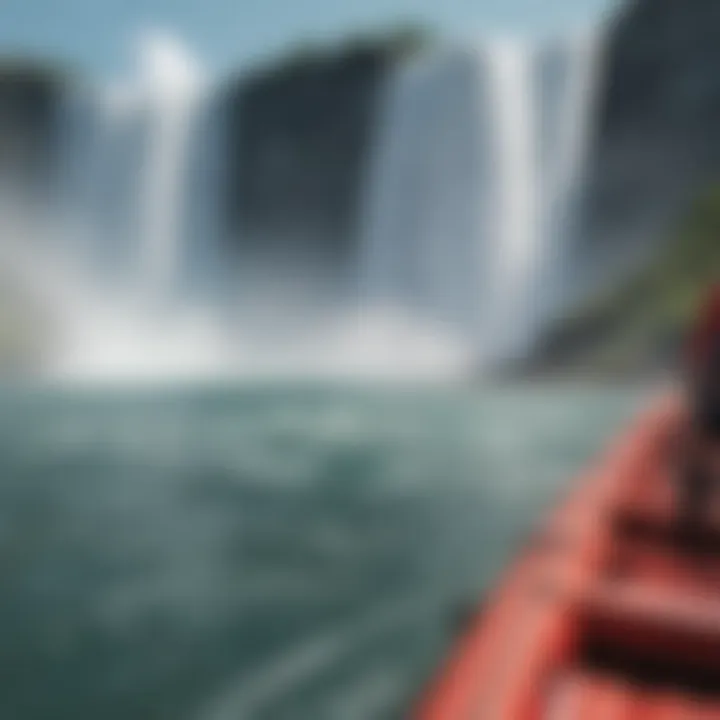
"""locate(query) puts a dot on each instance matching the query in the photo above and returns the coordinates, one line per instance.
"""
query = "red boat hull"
(609, 613)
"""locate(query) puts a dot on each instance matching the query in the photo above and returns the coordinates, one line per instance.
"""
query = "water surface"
(280, 553)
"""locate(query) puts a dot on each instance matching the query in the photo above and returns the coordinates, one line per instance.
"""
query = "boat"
(609, 612)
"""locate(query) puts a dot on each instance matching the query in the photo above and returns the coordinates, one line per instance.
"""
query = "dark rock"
(657, 143)
(30, 102)
(300, 136)
(655, 151)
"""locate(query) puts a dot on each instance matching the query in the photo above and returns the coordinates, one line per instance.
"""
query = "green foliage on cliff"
(640, 324)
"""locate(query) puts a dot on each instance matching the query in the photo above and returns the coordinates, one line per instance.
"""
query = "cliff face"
(656, 150)
(30, 99)
(299, 138)
(657, 141)
(30, 104)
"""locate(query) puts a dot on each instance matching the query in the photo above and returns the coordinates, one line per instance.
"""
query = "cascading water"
(171, 88)
(121, 273)
(472, 191)
(465, 220)
(425, 199)
(515, 242)
(569, 76)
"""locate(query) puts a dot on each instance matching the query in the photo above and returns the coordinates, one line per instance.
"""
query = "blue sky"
(96, 34)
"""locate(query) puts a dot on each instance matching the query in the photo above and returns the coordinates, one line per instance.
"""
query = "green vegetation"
(640, 325)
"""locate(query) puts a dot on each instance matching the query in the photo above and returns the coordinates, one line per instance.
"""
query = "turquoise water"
(280, 553)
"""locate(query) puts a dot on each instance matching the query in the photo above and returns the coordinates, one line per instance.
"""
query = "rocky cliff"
(30, 101)
(657, 141)
(656, 150)
(31, 97)
(299, 138)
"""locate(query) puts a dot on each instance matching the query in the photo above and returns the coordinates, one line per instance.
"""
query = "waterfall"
(479, 156)
(126, 152)
(426, 201)
(135, 175)
(170, 88)
(466, 220)
(572, 69)
(515, 241)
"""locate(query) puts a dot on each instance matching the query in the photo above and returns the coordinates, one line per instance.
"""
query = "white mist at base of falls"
(466, 215)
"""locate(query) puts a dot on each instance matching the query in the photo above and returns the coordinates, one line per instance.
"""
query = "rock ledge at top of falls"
(299, 133)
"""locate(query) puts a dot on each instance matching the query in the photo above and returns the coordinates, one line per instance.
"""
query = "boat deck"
(611, 612)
